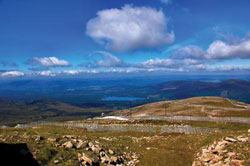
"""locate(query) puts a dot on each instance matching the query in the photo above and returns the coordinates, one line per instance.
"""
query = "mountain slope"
(197, 106)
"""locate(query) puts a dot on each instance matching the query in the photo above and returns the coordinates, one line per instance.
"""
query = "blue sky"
(63, 37)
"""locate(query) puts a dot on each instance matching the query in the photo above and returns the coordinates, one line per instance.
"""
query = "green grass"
(165, 149)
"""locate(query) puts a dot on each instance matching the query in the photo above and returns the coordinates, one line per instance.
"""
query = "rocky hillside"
(197, 106)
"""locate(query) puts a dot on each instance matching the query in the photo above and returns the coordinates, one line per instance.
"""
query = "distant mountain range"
(90, 93)
(233, 89)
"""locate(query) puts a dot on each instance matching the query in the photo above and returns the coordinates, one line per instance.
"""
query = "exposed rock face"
(219, 153)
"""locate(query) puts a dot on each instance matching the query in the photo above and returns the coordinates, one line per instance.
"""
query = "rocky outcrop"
(95, 154)
(221, 152)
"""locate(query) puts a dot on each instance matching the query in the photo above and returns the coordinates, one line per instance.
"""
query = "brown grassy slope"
(197, 106)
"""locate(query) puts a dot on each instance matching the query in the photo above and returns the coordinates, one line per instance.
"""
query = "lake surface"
(116, 98)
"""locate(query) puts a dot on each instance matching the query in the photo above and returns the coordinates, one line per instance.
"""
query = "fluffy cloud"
(218, 50)
(222, 50)
(108, 60)
(12, 74)
(158, 63)
(49, 62)
(46, 73)
(130, 28)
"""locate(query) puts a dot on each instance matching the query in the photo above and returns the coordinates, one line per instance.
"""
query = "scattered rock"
(230, 139)
(38, 138)
(56, 161)
(68, 145)
(68, 137)
(84, 159)
(105, 159)
(53, 139)
(114, 159)
(95, 149)
(219, 153)
(90, 144)
(111, 152)
(81, 145)
(237, 162)
(242, 139)
(57, 145)
(208, 157)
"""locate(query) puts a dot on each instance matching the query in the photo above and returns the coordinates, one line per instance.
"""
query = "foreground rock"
(221, 152)
(86, 160)
(68, 145)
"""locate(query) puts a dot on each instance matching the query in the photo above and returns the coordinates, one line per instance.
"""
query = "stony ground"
(226, 151)
(76, 146)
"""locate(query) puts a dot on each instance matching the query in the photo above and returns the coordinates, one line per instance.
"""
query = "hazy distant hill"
(18, 111)
(233, 89)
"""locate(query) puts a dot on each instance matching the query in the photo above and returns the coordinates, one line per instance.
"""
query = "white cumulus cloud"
(217, 50)
(222, 50)
(12, 74)
(49, 62)
(130, 28)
